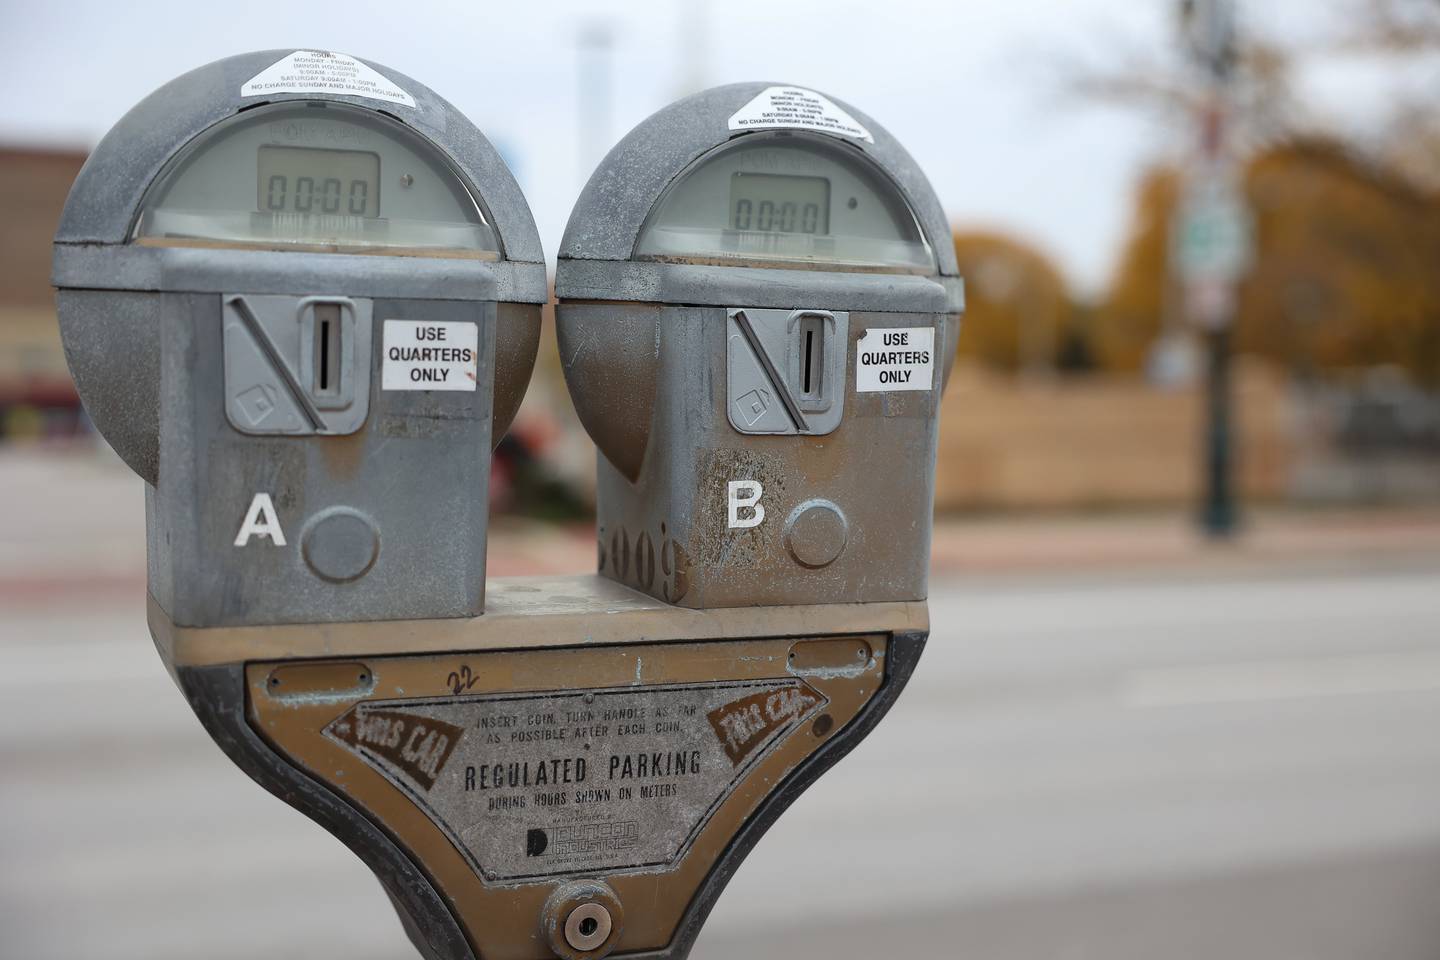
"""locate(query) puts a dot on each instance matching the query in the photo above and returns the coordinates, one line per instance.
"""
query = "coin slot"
(812, 357)
(327, 350)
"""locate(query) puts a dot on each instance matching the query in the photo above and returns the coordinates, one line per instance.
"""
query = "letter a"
(746, 493)
(261, 521)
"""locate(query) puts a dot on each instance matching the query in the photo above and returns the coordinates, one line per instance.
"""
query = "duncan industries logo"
(584, 838)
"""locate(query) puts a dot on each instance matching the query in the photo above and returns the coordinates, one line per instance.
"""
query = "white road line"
(1262, 680)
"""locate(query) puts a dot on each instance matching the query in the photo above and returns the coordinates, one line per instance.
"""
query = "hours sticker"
(797, 107)
(426, 355)
(319, 71)
(895, 358)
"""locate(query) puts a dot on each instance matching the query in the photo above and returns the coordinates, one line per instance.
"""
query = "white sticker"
(797, 107)
(315, 71)
(423, 355)
(895, 358)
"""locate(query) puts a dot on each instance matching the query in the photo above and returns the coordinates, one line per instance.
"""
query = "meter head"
(759, 304)
(289, 282)
(281, 170)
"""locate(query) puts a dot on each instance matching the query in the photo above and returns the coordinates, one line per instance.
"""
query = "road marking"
(1261, 680)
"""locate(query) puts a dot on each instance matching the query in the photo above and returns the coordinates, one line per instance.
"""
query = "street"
(1163, 764)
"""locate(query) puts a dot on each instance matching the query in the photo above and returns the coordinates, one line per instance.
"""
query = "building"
(37, 399)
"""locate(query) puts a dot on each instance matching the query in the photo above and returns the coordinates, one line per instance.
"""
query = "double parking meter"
(300, 296)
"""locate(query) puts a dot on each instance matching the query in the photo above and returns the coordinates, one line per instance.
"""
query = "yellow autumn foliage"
(1346, 272)
(1017, 306)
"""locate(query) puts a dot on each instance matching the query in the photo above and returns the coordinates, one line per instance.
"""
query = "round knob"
(340, 544)
(816, 532)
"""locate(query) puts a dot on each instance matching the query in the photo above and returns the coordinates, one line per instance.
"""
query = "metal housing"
(384, 493)
(643, 345)
(93, 252)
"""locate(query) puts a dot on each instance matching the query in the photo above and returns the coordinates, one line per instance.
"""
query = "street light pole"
(1212, 249)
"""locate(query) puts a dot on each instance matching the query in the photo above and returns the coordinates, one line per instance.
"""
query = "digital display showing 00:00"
(330, 182)
(773, 203)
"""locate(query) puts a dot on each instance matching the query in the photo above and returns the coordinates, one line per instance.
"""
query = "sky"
(977, 90)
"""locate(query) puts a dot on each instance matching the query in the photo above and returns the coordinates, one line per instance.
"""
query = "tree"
(1345, 273)
(1349, 267)
(1017, 305)
(1133, 312)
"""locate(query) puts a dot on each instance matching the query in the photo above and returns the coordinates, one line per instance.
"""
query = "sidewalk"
(1157, 540)
(74, 531)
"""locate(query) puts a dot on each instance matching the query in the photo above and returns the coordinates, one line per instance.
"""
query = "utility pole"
(1211, 246)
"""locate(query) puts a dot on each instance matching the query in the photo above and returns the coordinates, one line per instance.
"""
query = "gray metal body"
(192, 361)
(685, 399)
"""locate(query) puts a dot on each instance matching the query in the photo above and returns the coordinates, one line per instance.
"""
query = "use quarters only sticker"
(895, 358)
(427, 355)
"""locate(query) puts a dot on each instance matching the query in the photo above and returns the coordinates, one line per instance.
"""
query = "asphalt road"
(1163, 766)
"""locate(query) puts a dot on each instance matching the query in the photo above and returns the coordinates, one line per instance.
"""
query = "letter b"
(746, 494)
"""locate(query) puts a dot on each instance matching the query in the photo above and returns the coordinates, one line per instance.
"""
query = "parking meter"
(758, 304)
(299, 294)
(291, 287)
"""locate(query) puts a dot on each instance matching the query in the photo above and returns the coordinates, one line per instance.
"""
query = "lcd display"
(319, 177)
(785, 198)
(307, 180)
(772, 202)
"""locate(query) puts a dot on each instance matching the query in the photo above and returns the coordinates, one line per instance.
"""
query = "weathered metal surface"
(649, 281)
(581, 770)
(528, 613)
(669, 532)
(517, 342)
(574, 782)
(109, 286)
(428, 555)
(102, 205)
(737, 485)
(583, 920)
(426, 727)
(624, 188)
(608, 353)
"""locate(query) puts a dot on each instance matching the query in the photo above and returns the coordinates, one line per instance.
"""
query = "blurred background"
(1182, 698)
